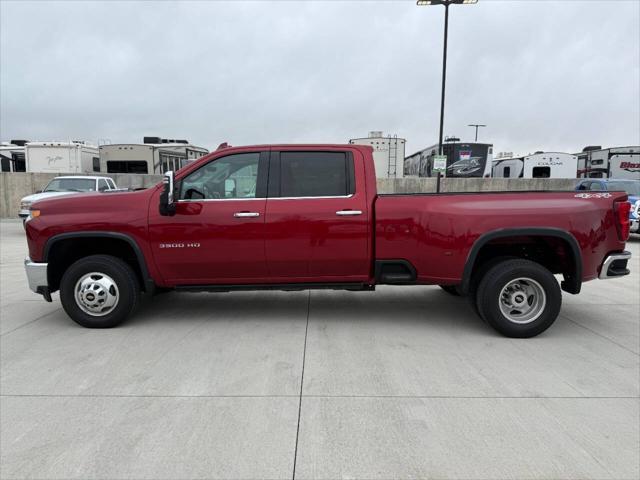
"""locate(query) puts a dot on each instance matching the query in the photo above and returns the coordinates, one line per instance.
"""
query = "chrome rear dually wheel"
(519, 298)
(522, 300)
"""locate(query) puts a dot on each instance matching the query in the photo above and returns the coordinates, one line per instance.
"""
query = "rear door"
(317, 227)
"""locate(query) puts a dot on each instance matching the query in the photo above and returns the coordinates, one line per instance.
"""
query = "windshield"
(71, 185)
(631, 187)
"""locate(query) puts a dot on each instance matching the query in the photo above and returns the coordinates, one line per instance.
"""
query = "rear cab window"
(305, 174)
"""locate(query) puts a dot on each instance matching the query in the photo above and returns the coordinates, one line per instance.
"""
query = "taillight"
(622, 219)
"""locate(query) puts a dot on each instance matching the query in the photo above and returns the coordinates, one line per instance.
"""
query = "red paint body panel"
(307, 239)
(122, 212)
(303, 240)
(213, 246)
(436, 232)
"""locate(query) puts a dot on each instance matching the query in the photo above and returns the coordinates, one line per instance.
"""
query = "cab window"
(315, 174)
(102, 185)
(230, 177)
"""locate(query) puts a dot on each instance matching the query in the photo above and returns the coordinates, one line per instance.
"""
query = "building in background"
(12, 156)
(538, 165)
(61, 157)
(388, 153)
(155, 155)
(617, 162)
(463, 160)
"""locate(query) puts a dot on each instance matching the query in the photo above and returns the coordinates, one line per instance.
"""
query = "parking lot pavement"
(398, 383)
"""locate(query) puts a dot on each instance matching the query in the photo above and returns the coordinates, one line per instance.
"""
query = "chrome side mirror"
(167, 201)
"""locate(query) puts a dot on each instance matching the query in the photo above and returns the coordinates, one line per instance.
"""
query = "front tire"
(99, 291)
(519, 298)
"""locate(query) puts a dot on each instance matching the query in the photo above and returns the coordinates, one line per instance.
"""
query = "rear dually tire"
(519, 298)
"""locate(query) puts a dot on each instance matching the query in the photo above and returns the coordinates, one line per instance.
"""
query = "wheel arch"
(106, 243)
(572, 282)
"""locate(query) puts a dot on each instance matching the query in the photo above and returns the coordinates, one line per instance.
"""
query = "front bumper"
(635, 226)
(23, 214)
(615, 265)
(37, 278)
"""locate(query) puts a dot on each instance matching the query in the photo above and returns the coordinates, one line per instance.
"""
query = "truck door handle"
(246, 214)
(347, 213)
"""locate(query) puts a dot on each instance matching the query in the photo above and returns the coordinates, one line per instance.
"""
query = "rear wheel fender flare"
(571, 285)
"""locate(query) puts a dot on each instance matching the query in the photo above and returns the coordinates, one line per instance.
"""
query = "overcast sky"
(544, 75)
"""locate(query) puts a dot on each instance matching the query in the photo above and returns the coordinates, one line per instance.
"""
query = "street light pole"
(444, 74)
(446, 4)
(477, 125)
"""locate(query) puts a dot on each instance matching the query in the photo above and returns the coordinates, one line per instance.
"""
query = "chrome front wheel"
(99, 291)
(96, 294)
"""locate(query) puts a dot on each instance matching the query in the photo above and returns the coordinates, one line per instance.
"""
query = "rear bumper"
(37, 278)
(615, 265)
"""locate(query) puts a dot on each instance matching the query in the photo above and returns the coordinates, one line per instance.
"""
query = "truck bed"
(436, 232)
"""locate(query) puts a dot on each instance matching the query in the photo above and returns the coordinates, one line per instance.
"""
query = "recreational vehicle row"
(463, 160)
(155, 155)
(12, 156)
(538, 165)
(620, 162)
(388, 153)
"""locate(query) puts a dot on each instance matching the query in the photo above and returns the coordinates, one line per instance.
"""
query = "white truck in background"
(62, 157)
(67, 185)
(538, 165)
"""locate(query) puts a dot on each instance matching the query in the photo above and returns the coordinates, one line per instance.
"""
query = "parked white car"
(67, 186)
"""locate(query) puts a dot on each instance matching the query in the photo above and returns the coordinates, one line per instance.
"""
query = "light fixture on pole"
(446, 4)
(477, 125)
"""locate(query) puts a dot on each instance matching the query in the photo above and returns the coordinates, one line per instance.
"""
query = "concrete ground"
(401, 383)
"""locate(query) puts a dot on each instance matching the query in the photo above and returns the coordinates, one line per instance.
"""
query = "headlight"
(25, 205)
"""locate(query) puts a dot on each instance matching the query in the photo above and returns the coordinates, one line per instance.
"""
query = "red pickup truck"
(292, 217)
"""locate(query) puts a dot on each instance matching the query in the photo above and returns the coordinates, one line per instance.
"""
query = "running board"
(288, 287)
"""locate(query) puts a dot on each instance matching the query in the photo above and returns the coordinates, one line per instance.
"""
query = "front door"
(317, 220)
(217, 234)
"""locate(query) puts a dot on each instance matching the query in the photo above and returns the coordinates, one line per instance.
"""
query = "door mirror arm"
(167, 200)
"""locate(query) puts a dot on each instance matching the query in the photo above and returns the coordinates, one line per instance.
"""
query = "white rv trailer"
(388, 153)
(618, 162)
(463, 160)
(61, 157)
(156, 155)
(538, 165)
(12, 156)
